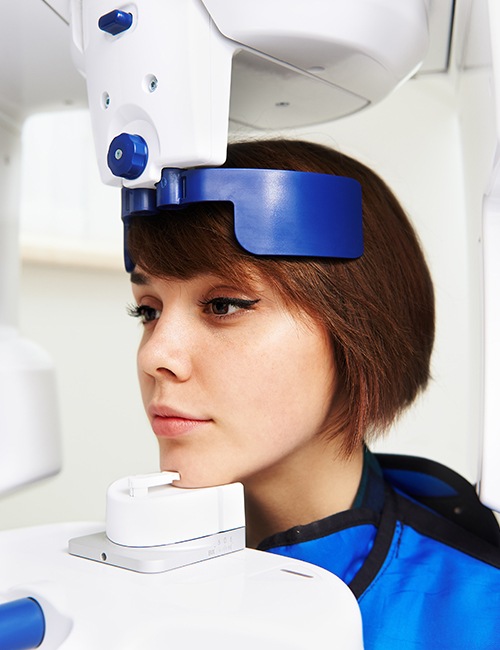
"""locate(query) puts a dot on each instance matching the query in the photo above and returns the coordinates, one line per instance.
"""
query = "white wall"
(75, 308)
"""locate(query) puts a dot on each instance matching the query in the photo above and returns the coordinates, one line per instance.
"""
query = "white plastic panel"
(36, 71)
(490, 474)
(440, 33)
(363, 46)
(243, 600)
(29, 427)
(267, 95)
(29, 417)
(183, 117)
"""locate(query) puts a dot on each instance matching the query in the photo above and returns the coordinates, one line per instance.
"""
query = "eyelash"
(145, 313)
(148, 314)
(240, 303)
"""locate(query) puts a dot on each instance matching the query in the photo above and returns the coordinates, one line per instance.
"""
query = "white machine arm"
(159, 72)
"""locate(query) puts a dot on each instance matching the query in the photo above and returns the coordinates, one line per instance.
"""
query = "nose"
(166, 350)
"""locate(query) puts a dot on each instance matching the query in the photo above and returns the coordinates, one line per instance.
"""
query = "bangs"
(189, 241)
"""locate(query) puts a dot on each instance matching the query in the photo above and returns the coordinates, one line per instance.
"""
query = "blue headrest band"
(276, 212)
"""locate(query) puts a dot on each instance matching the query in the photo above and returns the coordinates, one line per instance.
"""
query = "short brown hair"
(378, 309)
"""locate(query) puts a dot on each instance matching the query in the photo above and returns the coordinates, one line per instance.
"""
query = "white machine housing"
(489, 486)
(245, 600)
(175, 75)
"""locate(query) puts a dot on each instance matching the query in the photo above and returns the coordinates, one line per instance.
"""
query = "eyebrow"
(139, 278)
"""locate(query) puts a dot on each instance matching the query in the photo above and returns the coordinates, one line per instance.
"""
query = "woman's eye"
(144, 313)
(227, 306)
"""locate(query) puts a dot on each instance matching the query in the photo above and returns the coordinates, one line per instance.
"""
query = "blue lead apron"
(418, 550)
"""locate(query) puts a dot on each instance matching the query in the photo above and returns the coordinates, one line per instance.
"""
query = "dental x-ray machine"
(163, 78)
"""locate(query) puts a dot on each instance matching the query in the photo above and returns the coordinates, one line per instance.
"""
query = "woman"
(277, 370)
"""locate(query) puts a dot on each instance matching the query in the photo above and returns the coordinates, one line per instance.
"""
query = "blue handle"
(116, 22)
(22, 625)
(128, 156)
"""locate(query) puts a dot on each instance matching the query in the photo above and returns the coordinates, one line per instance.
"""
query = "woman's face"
(233, 383)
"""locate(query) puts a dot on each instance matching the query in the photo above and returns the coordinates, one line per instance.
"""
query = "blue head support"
(276, 212)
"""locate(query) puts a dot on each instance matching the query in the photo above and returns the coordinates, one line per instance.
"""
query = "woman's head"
(378, 310)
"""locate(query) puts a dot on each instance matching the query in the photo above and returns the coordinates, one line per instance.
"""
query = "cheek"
(298, 391)
(283, 380)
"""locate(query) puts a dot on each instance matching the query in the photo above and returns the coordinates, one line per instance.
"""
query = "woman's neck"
(310, 484)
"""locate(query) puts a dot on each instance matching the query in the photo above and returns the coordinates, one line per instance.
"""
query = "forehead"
(254, 281)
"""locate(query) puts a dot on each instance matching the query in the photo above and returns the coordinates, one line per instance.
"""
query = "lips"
(171, 423)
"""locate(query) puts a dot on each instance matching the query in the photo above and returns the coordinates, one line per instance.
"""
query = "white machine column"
(29, 427)
(10, 165)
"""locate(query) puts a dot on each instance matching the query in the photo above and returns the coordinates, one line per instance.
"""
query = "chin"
(200, 483)
(197, 470)
(193, 479)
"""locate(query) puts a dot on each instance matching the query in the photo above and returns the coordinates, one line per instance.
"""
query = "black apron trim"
(460, 504)
(322, 528)
(447, 532)
(381, 546)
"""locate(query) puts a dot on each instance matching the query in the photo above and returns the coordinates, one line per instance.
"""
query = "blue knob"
(22, 624)
(128, 156)
(115, 22)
